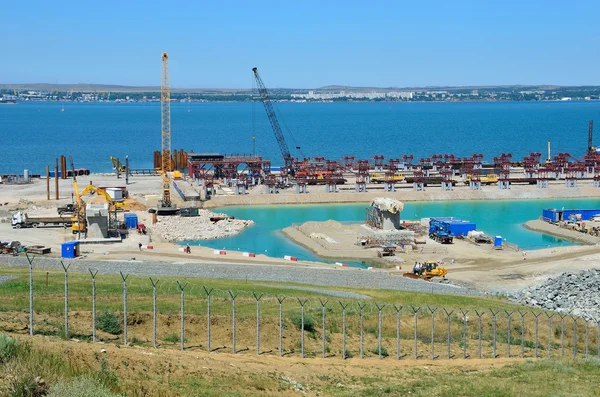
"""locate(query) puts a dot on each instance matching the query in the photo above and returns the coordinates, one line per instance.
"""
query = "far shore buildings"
(312, 95)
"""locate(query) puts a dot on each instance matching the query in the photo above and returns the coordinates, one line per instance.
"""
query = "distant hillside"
(80, 87)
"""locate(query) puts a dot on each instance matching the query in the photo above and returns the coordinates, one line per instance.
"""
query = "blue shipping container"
(131, 221)
(70, 249)
(554, 215)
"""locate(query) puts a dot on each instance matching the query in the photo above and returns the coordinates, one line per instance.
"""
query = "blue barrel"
(498, 241)
(131, 221)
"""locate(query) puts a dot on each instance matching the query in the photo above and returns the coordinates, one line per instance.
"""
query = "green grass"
(14, 293)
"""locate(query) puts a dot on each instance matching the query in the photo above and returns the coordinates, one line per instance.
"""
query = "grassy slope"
(138, 372)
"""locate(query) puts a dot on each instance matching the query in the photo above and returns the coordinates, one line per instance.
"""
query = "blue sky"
(301, 44)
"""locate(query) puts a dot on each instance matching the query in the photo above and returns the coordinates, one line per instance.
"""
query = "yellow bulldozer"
(427, 271)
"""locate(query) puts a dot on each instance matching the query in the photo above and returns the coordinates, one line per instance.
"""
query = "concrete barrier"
(290, 258)
(220, 252)
(341, 264)
(248, 254)
(148, 247)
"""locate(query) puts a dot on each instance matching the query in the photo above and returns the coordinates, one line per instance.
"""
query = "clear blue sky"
(303, 43)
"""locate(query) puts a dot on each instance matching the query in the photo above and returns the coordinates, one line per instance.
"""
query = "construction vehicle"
(66, 209)
(429, 270)
(165, 206)
(485, 179)
(380, 177)
(78, 221)
(266, 100)
(119, 205)
(23, 220)
(117, 165)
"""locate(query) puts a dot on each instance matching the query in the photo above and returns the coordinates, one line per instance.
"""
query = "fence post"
(30, 260)
(181, 289)
(280, 300)
(479, 316)
(574, 336)
(66, 269)
(549, 333)
(598, 329)
(93, 304)
(523, 314)
(432, 331)
(154, 284)
(208, 292)
(257, 297)
(415, 312)
(464, 313)
(562, 334)
(398, 310)
(448, 314)
(344, 306)
(324, 335)
(508, 315)
(380, 308)
(302, 303)
(124, 307)
(233, 324)
(587, 339)
(362, 306)
(537, 323)
(494, 313)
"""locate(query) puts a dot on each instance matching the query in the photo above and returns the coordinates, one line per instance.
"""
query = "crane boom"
(165, 106)
(266, 100)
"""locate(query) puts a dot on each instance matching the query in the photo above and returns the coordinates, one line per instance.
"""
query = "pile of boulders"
(177, 228)
(574, 293)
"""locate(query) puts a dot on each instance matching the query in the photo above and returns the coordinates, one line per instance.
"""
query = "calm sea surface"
(34, 134)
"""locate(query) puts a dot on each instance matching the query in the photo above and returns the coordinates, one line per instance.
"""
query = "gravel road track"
(320, 276)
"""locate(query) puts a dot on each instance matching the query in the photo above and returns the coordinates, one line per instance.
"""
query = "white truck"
(22, 220)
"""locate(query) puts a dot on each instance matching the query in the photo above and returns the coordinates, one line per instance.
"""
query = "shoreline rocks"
(176, 228)
(574, 293)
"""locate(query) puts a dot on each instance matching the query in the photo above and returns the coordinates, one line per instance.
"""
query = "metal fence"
(246, 321)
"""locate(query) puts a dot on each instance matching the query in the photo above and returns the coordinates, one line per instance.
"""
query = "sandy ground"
(477, 266)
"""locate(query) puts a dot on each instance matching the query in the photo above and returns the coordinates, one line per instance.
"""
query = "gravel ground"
(5, 278)
(339, 294)
(281, 274)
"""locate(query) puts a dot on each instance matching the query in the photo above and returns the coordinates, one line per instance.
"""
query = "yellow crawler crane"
(430, 269)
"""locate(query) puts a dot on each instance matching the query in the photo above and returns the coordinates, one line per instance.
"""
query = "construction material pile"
(574, 293)
(176, 228)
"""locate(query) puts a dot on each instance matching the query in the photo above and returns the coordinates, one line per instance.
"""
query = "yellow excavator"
(117, 165)
(429, 270)
(78, 221)
(113, 204)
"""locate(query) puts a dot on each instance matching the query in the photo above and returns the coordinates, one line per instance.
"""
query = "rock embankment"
(176, 228)
(575, 293)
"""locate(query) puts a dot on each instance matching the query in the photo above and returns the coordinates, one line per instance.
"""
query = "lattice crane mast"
(165, 106)
(266, 100)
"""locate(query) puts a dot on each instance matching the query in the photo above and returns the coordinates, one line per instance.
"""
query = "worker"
(524, 255)
(140, 246)
(416, 268)
(188, 249)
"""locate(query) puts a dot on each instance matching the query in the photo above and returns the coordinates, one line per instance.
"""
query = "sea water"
(34, 134)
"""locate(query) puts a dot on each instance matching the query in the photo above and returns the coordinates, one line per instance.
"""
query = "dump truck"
(22, 220)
